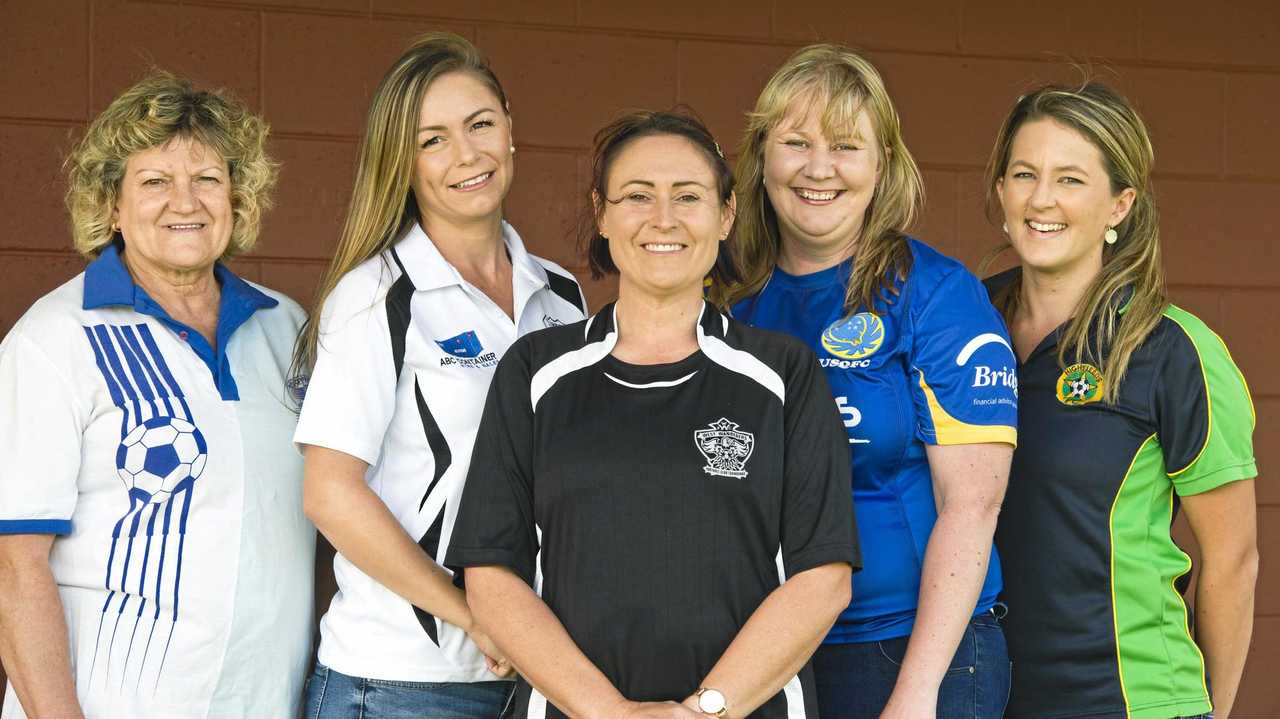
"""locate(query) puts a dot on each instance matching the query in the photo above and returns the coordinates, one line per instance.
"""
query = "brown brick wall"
(1205, 75)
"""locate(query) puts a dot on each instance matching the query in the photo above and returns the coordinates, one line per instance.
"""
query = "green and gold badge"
(1080, 384)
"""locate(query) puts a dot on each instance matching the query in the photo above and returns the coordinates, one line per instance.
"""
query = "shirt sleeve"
(495, 524)
(963, 381)
(350, 398)
(41, 426)
(1203, 412)
(818, 525)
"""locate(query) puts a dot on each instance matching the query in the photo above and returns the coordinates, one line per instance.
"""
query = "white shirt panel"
(158, 614)
(415, 429)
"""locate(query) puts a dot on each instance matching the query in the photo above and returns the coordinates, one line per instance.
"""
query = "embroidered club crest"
(725, 447)
(854, 338)
(1080, 384)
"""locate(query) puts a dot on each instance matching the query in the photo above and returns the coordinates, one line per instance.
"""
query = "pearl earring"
(513, 149)
(1110, 236)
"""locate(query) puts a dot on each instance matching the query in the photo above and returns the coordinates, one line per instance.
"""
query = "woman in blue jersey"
(922, 372)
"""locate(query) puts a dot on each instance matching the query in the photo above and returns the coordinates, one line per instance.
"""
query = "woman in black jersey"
(671, 483)
(1129, 408)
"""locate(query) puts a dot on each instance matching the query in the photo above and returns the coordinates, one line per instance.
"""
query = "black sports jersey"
(1097, 626)
(655, 507)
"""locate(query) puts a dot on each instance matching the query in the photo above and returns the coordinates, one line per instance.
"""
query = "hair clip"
(718, 150)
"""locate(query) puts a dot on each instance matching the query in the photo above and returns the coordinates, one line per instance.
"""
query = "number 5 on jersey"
(852, 418)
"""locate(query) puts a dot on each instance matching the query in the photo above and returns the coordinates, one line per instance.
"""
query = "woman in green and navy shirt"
(1129, 407)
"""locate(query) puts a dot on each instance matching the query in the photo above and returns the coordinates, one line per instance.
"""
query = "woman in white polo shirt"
(428, 289)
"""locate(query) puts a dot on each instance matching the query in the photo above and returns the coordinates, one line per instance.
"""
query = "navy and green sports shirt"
(931, 366)
(1097, 626)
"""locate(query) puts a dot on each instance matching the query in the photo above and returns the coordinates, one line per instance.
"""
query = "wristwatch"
(711, 701)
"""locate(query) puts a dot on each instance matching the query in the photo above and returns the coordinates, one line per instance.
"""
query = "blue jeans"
(334, 695)
(854, 681)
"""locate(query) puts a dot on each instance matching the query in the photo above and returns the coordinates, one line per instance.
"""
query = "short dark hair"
(610, 141)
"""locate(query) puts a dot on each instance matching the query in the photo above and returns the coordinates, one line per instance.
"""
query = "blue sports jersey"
(931, 366)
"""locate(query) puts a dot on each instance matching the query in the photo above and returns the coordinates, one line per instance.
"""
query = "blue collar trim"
(107, 282)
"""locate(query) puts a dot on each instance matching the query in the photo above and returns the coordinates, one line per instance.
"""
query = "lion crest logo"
(725, 447)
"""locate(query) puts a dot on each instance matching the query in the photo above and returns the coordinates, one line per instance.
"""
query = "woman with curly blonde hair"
(154, 558)
(919, 365)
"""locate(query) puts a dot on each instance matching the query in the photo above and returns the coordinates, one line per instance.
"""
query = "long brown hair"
(383, 207)
(1125, 301)
(845, 84)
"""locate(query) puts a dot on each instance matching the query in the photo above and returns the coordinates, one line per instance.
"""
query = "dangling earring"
(1110, 236)
(1005, 226)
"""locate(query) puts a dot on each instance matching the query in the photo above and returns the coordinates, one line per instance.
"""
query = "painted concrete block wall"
(1205, 75)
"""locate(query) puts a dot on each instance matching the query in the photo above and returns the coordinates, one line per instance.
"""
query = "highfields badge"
(1080, 384)
(725, 447)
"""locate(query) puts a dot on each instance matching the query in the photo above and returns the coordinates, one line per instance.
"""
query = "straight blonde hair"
(844, 84)
(383, 207)
(1125, 301)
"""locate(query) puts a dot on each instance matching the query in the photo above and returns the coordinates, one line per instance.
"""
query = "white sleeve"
(350, 398)
(41, 425)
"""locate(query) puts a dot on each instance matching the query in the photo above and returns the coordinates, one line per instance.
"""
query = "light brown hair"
(1125, 301)
(383, 206)
(844, 84)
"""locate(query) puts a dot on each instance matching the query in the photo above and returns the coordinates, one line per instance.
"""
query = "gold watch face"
(710, 701)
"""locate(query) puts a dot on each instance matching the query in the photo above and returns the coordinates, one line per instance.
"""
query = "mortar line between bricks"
(1203, 286)
(1118, 63)
(924, 165)
(88, 101)
(262, 64)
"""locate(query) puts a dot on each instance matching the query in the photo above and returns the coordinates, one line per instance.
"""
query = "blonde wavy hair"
(160, 108)
(1125, 301)
(383, 207)
(843, 84)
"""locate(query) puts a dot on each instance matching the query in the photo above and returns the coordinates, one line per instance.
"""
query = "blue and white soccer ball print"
(159, 455)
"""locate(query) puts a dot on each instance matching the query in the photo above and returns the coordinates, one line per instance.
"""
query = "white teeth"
(818, 196)
(186, 227)
(1046, 226)
(665, 247)
(473, 181)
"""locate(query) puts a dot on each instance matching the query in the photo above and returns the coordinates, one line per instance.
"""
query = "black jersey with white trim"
(655, 507)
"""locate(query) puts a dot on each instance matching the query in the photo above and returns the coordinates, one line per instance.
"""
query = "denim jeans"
(334, 695)
(854, 681)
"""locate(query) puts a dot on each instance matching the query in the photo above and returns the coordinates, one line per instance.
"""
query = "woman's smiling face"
(663, 216)
(463, 167)
(1057, 199)
(820, 186)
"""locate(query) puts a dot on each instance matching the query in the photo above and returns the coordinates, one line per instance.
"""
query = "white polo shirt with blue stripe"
(164, 465)
(406, 353)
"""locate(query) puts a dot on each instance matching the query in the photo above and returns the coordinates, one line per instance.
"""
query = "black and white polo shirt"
(655, 507)
(407, 349)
